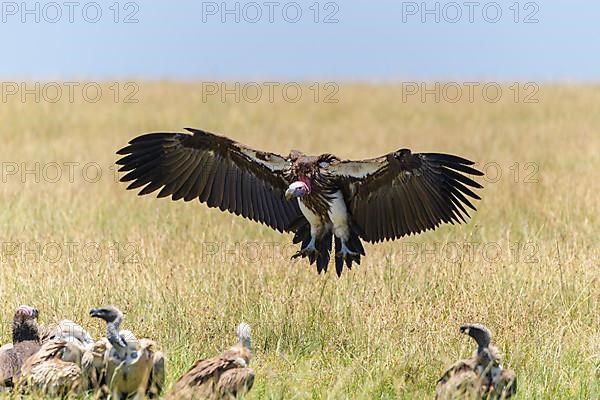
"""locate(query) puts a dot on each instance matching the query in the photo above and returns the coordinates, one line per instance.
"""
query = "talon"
(310, 250)
(307, 252)
(346, 253)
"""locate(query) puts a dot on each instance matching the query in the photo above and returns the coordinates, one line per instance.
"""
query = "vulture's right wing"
(218, 171)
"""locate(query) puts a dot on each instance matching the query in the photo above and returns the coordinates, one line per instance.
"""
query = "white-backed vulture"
(225, 376)
(70, 331)
(326, 201)
(133, 367)
(25, 342)
(83, 350)
(55, 370)
(481, 375)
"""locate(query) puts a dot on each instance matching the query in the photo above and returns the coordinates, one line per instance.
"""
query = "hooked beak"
(94, 312)
(296, 189)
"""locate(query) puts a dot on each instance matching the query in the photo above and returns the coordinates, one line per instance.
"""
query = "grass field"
(527, 265)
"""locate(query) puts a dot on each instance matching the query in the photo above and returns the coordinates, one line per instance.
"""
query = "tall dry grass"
(526, 265)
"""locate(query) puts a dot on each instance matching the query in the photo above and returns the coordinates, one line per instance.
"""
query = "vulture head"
(243, 334)
(305, 172)
(24, 326)
(113, 317)
(297, 189)
(488, 356)
(480, 333)
(110, 314)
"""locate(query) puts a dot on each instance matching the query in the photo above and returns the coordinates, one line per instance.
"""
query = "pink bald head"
(297, 189)
(26, 312)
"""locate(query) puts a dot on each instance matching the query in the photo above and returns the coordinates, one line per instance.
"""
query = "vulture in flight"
(133, 367)
(481, 375)
(318, 198)
(225, 376)
(25, 342)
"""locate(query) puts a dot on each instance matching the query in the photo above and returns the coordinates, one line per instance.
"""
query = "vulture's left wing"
(403, 193)
(217, 170)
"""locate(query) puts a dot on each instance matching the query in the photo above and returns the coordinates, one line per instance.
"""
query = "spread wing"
(214, 169)
(403, 193)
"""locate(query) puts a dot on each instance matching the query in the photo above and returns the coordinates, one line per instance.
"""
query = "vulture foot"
(309, 251)
(346, 252)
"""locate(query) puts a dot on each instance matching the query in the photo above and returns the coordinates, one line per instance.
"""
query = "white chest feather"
(337, 217)
(313, 219)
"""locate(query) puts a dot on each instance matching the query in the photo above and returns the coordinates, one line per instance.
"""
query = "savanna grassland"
(526, 265)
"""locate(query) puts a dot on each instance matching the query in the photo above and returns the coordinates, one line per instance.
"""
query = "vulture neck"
(24, 331)
(307, 182)
(113, 336)
(245, 343)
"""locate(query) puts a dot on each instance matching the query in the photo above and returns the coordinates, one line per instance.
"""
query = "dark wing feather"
(404, 193)
(216, 170)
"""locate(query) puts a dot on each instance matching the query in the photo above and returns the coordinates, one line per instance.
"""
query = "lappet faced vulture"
(321, 199)
(25, 342)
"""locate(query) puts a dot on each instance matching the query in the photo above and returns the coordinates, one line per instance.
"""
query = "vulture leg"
(348, 248)
(345, 251)
(309, 251)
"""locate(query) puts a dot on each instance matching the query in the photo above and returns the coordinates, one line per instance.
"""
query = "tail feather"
(339, 261)
(354, 245)
(324, 245)
(302, 234)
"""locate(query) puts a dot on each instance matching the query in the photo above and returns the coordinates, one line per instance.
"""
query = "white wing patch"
(273, 162)
(356, 169)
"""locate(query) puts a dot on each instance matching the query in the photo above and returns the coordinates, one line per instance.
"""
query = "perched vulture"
(55, 370)
(69, 331)
(225, 376)
(481, 375)
(25, 342)
(133, 367)
(319, 198)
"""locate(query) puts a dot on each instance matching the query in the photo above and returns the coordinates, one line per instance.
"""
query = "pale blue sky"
(372, 40)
